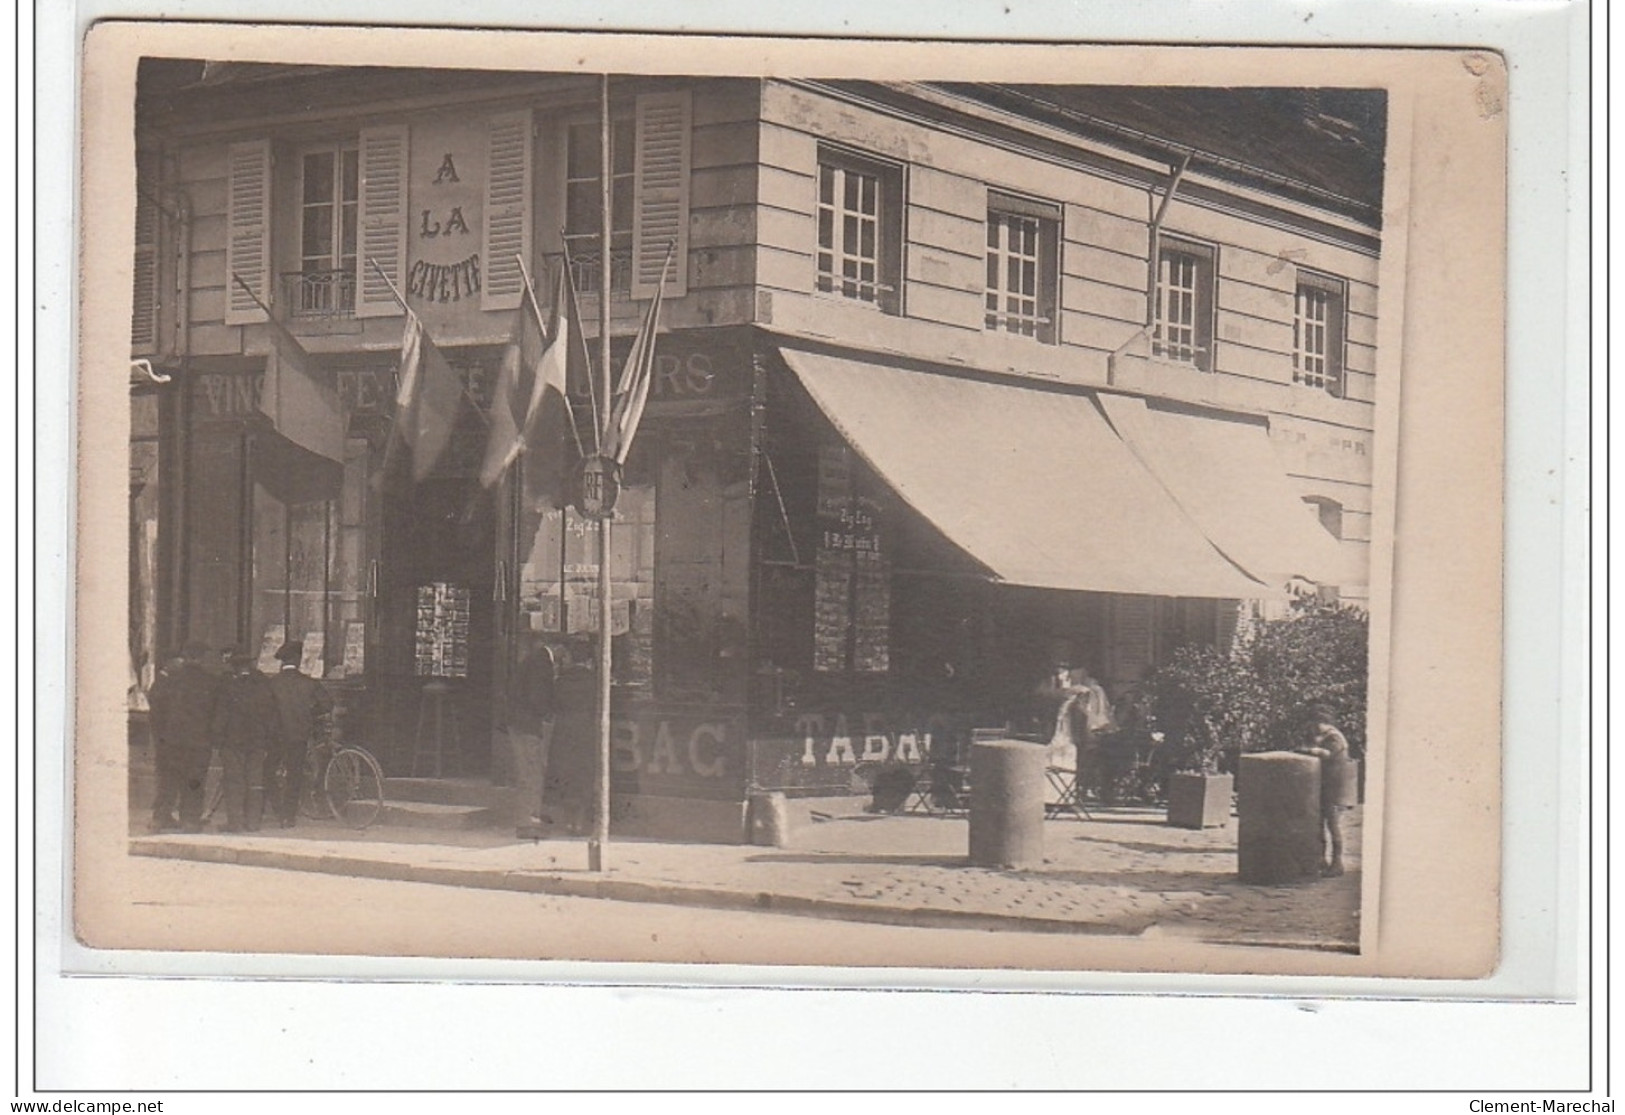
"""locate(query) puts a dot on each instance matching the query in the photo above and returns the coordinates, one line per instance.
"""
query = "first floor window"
(1184, 303)
(584, 202)
(329, 189)
(1021, 280)
(859, 229)
(1317, 333)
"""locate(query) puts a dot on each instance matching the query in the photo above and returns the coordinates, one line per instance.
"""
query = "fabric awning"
(1033, 484)
(1227, 477)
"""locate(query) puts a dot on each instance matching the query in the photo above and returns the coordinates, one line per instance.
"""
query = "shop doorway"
(438, 628)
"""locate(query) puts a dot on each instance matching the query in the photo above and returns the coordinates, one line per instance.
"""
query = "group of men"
(261, 725)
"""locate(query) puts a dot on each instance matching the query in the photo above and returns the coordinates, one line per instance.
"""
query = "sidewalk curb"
(629, 890)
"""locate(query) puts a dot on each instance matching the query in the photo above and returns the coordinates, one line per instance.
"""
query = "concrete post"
(768, 819)
(1279, 805)
(1006, 803)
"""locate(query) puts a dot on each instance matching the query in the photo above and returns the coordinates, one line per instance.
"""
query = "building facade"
(945, 375)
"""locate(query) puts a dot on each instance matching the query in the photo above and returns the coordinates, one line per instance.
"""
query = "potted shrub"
(1209, 706)
(1212, 705)
(1315, 657)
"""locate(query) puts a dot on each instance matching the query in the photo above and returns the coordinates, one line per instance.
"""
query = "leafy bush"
(1213, 704)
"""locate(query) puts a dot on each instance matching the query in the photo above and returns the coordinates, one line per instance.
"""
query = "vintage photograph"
(829, 505)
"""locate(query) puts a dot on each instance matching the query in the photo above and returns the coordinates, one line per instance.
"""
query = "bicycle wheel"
(355, 787)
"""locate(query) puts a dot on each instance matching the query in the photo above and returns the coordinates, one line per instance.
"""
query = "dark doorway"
(440, 532)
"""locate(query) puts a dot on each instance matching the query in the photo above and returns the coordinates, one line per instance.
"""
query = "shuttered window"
(507, 231)
(383, 221)
(324, 285)
(660, 222)
(583, 203)
(248, 231)
(144, 307)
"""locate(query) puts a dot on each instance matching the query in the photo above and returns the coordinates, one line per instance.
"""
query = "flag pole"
(586, 353)
(536, 312)
(393, 437)
(600, 832)
(473, 402)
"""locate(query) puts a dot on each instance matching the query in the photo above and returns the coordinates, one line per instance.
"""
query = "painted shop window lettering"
(437, 281)
(670, 748)
(851, 574)
(445, 282)
(454, 224)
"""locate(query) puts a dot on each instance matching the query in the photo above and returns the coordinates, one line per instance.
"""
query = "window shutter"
(660, 208)
(144, 308)
(1133, 639)
(507, 210)
(382, 216)
(248, 231)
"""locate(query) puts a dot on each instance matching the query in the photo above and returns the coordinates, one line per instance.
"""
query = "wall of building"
(722, 224)
(1325, 441)
(749, 217)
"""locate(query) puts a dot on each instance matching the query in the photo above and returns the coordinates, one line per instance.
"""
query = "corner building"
(945, 376)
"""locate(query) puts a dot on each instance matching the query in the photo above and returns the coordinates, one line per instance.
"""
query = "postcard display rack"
(441, 655)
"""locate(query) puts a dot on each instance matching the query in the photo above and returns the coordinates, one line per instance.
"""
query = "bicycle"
(343, 782)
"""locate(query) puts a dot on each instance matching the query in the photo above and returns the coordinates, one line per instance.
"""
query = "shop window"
(329, 203)
(558, 581)
(311, 571)
(583, 202)
(1021, 280)
(1184, 303)
(1317, 333)
(859, 228)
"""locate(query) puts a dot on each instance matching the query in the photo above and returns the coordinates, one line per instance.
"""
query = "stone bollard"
(1279, 840)
(769, 820)
(1006, 803)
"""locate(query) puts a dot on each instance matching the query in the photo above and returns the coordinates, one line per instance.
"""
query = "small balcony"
(587, 272)
(319, 295)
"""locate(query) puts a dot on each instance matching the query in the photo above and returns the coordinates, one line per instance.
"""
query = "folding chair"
(942, 784)
(1068, 794)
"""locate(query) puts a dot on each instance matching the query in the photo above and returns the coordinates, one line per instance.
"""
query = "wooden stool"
(437, 715)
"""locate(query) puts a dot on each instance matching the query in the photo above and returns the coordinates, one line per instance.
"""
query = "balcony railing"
(587, 271)
(319, 294)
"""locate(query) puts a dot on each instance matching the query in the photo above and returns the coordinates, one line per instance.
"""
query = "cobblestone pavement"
(1125, 872)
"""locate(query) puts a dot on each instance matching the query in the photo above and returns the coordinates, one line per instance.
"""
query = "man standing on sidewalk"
(245, 728)
(182, 701)
(530, 729)
(303, 704)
